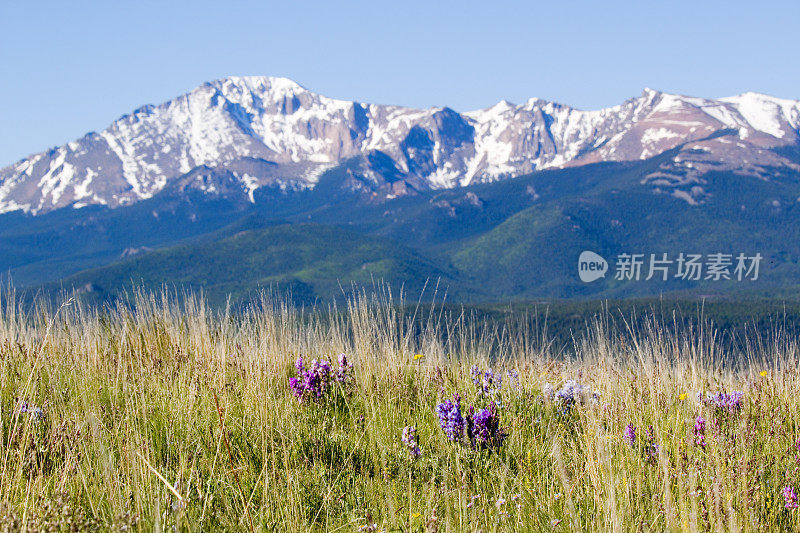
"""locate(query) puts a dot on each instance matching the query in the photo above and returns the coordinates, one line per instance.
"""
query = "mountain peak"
(260, 84)
(298, 134)
(752, 96)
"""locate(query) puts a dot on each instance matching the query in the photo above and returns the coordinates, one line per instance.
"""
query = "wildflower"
(515, 497)
(484, 429)
(472, 500)
(418, 356)
(23, 407)
(573, 392)
(569, 391)
(790, 497)
(344, 374)
(475, 372)
(700, 431)
(450, 418)
(314, 381)
(630, 435)
(548, 392)
(726, 402)
(488, 383)
(501, 502)
(409, 439)
(651, 450)
(682, 396)
(513, 378)
(763, 373)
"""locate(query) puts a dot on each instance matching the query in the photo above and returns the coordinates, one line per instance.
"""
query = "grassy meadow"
(163, 414)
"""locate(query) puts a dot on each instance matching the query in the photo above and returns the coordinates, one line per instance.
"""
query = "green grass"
(167, 415)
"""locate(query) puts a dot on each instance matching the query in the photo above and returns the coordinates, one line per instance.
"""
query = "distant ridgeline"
(274, 185)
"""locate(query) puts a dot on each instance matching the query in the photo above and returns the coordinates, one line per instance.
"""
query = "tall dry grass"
(161, 413)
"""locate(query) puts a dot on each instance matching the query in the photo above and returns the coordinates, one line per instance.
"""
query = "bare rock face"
(271, 132)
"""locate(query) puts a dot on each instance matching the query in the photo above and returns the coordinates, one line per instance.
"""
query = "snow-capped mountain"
(271, 132)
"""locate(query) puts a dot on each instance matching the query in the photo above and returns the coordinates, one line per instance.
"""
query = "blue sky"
(71, 67)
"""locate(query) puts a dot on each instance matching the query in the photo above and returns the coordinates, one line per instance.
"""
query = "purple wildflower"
(700, 431)
(513, 377)
(730, 402)
(573, 392)
(569, 391)
(651, 450)
(23, 407)
(475, 372)
(484, 427)
(315, 380)
(409, 439)
(345, 372)
(450, 418)
(789, 497)
(488, 383)
(630, 435)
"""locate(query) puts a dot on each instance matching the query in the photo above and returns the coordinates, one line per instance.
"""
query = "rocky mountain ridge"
(268, 132)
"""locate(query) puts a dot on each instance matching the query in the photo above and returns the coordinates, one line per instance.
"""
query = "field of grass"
(161, 415)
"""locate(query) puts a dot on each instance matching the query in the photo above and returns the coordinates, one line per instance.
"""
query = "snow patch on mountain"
(302, 134)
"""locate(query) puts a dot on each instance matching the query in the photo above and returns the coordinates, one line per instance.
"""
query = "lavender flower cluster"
(482, 427)
(650, 447)
(789, 493)
(629, 435)
(571, 393)
(700, 431)
(23, 407)
(450, 418)
(513, 376)
(409, 440)
(488, 383)
(730, 402)
(314, 380)
(789, 497)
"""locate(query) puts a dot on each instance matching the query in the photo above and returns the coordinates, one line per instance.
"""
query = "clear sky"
(71, 67)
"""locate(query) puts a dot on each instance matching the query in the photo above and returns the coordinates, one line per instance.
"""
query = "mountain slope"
(501, 241)
(310, 260)
(271, 133)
